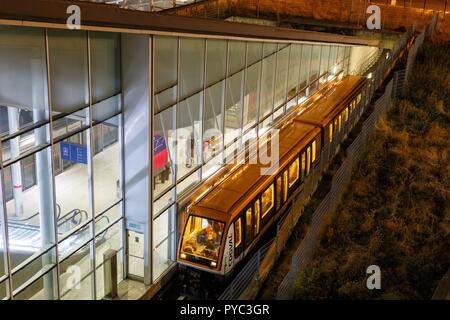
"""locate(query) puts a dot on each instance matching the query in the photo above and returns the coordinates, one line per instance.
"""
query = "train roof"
(332, 102)
(225, 198)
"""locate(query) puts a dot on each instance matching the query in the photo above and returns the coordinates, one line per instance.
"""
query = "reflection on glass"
(233, 107)
(79, 288)
(164, 139)
(212, 121)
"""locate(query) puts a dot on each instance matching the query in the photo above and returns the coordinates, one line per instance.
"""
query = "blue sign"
(73, 152)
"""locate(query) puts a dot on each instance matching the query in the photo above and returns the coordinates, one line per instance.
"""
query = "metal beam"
(94, 16)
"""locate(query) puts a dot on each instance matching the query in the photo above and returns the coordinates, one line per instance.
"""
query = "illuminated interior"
(257, 209)
(202, 238)
(237, 232)
(314, 151)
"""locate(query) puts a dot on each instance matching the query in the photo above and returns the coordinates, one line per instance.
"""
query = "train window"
(257, 215)
(248, 226)
(237, 233)
(285, 184)
(340, 122)
(303, 164)
(358, 99)
(293, 172)
(336, 125)
(267, 200)
(308, 161)
(202, 238)
(279, 192)
(330, 132)
(314, 151)
(346, 114)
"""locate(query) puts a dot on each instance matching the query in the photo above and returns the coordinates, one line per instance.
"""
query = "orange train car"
(227, 221)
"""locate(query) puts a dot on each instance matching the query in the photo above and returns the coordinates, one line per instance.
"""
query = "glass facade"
(62, 142)
(61, 162)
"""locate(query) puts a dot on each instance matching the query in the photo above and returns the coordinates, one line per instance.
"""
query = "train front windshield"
(201, 240)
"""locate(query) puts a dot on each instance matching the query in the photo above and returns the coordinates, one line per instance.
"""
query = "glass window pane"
(237, 232)
(44, 288)
(305, 64)
(251, 95)
(202, 238)
(325, 58)
(166, 62)
(108, 218)
(267, 200)
(73, 210)
(294, 69)
(188, 181)
(4, 289)
(267, 86)
(189, 135)
(254, 52)
(269, 49)
(164, 241)
(236, 56)
(293, 172)
(30, 213)
(164, 150)
(191, 66)
(68, 70)
(281, 76)
(23, 79)
(165, 200)
(315, 63)
(107, 164)
(216, 53)
(105, 61)
(233, 106)
(257, 208)
(109, 239)
(212, 121)
(80, 264)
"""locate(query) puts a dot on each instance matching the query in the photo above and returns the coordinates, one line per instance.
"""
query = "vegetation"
(396, 212)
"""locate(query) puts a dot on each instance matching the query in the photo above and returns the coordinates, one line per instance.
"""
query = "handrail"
(34, 215)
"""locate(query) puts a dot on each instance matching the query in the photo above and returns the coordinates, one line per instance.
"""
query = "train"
(225, 222)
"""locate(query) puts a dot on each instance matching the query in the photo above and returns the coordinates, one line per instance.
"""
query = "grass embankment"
(396, 212)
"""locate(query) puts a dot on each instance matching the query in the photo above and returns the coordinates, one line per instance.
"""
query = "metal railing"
(248, 274)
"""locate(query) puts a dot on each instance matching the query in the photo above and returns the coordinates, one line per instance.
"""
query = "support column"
(16, 171)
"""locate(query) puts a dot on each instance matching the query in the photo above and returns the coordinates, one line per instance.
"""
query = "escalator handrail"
(34, 215)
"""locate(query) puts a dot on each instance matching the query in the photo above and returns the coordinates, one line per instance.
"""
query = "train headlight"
(183, 256)
(213, 264)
